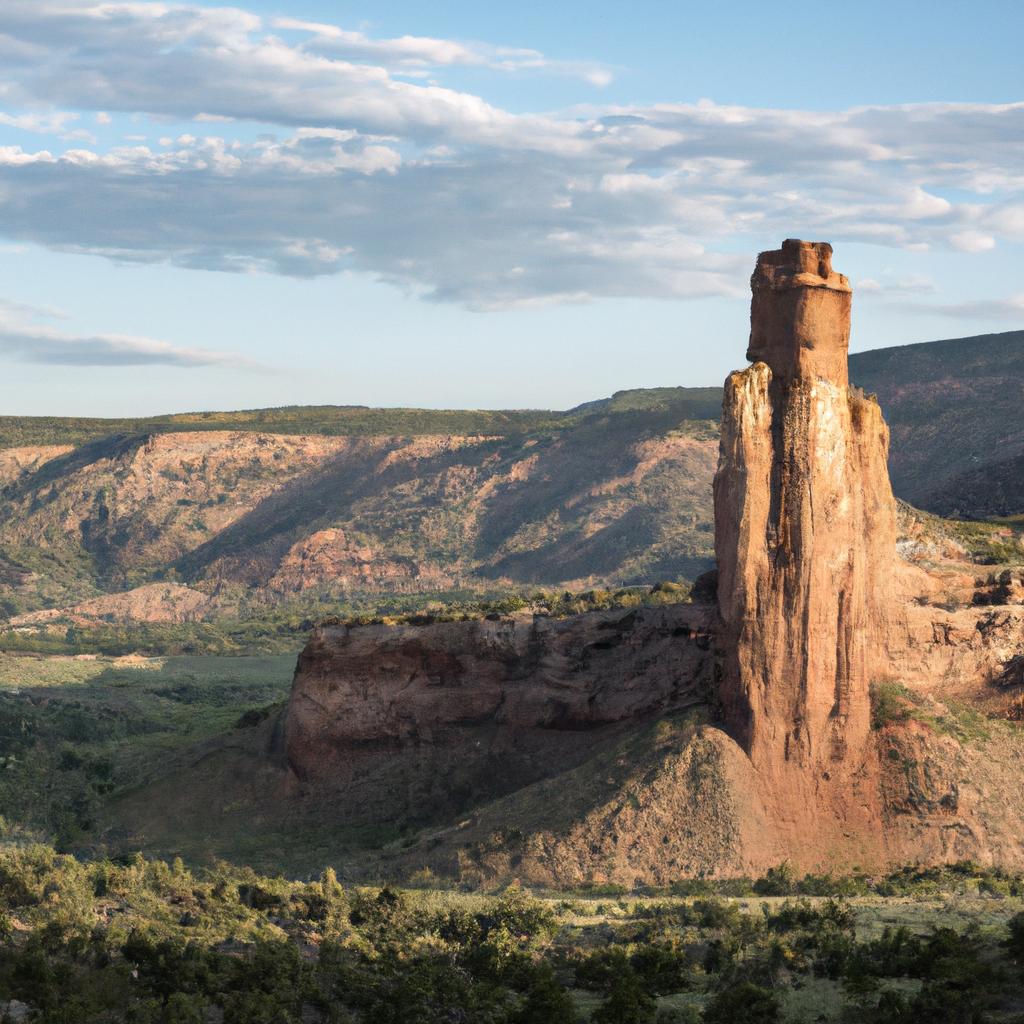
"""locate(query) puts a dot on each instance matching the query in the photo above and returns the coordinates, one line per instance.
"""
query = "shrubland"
(145, 940)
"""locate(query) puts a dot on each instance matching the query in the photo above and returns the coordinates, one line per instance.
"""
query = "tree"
(547, 1002)
(627, 1002)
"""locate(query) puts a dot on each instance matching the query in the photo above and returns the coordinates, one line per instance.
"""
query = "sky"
(469, 205)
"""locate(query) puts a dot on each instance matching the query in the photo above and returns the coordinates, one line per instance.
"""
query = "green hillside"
(327, 420)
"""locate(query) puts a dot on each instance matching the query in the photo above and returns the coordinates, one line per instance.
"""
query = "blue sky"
(458, 205)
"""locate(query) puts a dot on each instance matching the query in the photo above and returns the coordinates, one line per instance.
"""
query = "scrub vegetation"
(146, 941)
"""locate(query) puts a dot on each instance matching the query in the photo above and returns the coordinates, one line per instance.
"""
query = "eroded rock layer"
(412, 721)
(588, 748)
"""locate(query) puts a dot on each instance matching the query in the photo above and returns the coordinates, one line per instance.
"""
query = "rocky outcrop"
(573, 747)
(16, 463)
(154, 602)
(805, 535)
(331, 556)
(398, 721)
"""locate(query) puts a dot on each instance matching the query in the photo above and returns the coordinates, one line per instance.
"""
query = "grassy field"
(75, 731)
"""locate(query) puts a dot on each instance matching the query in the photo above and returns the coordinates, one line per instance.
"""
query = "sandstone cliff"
(407, 722)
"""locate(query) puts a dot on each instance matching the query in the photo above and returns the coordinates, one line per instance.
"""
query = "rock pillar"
(805, 535)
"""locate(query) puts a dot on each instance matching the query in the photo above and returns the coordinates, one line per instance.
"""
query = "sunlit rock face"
(805, 536)
(692, 739)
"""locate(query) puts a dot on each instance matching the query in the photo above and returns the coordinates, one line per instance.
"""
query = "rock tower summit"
(805, 532)
(800, 313)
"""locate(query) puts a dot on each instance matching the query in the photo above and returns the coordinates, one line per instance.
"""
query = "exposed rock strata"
(607, 499)
(154, 602)
(554, 722)
(449, 713)
(350, 565)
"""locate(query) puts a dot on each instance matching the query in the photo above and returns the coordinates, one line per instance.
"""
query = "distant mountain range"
(314, 503)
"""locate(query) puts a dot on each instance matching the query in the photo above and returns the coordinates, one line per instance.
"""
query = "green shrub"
(1015, 943)
(890, 704)
(627, 1001)
(744, 1003)
(776, 882)
(546, 1001)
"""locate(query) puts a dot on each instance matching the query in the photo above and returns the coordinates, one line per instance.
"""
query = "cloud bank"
(369, 168)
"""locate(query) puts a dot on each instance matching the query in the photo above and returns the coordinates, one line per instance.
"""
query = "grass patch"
(77, 731)
(893, 703)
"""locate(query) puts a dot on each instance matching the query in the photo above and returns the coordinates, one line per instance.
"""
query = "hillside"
(306, 507)
(350, 420)
(953, 408)
(617, 495)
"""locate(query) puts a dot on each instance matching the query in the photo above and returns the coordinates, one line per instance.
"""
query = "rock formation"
(592, 739)
(805, 535)
(414, 720)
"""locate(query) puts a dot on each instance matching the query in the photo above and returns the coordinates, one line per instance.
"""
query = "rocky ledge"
(413, 720)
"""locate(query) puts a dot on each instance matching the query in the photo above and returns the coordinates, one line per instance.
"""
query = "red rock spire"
(800, 313)
(805, 534)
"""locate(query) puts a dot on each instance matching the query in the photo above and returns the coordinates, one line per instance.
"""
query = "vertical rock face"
(805, 532)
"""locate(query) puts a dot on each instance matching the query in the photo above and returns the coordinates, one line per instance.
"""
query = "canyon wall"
(413, 721)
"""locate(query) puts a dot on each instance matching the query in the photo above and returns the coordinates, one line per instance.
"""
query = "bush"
(744, 1003)
(1015, 943)
(663, 968)
(890, 704)
(546, 1002)
(777, 882)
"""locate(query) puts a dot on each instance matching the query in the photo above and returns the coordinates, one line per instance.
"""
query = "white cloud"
(11, 310)
(972, 241)
(52, 123)
(908, 284)
(183, 62)
(416, 53)
(447, 195)
(29, 342)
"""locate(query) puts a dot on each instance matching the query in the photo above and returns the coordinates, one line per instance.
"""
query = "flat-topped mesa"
(800, 313)
(805, 535)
